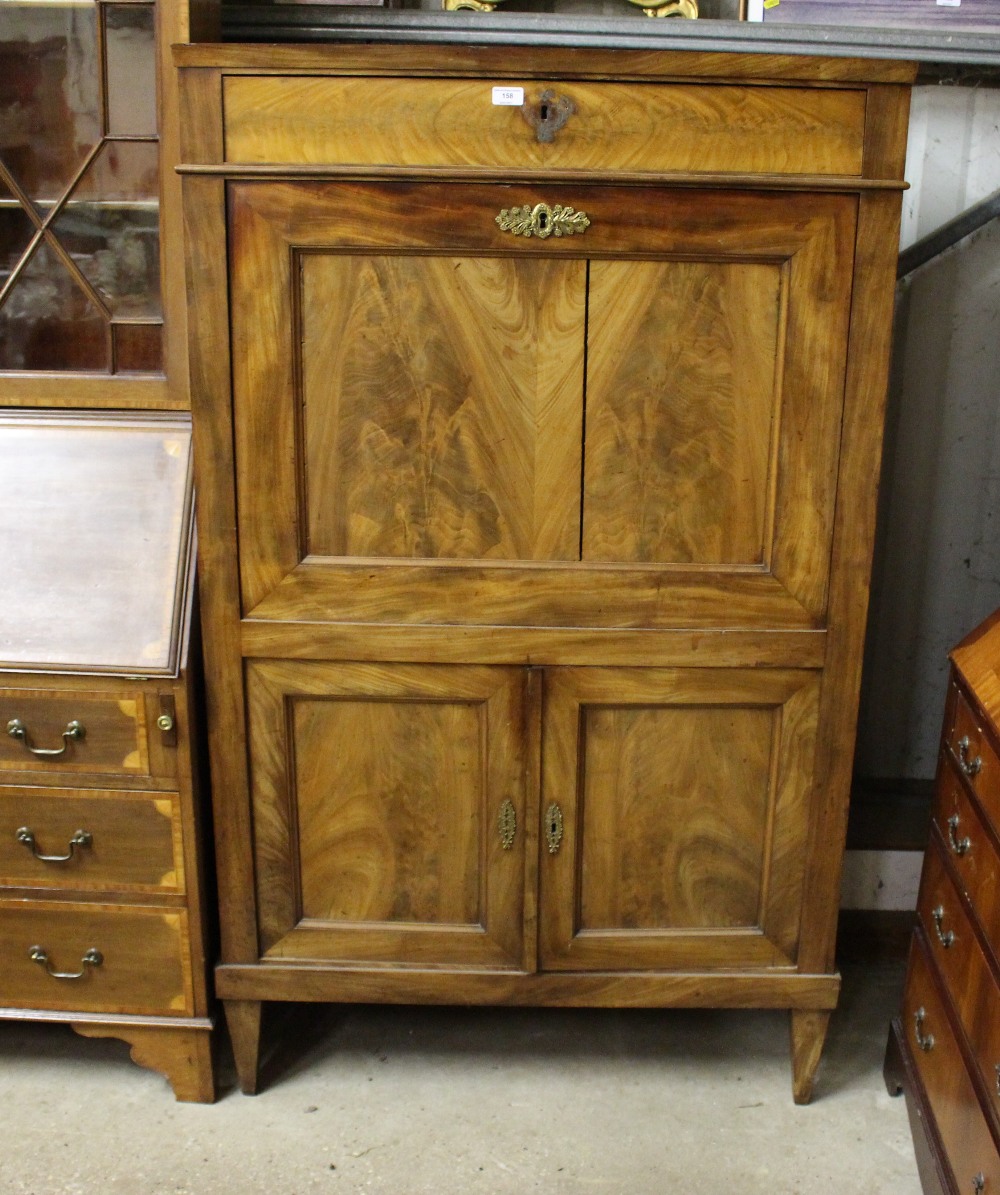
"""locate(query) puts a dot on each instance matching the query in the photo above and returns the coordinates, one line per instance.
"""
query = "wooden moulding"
(861, 449)
(704, 989)
(539, 62)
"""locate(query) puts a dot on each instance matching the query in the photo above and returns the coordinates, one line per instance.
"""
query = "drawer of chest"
(969, 845)
(53, 733)
(964, 967)
(94, 958)
(90, 839)
(516, 124)
(972, 752)
(968, 1143)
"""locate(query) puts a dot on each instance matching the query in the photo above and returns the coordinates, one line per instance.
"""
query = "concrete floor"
(438, 1100)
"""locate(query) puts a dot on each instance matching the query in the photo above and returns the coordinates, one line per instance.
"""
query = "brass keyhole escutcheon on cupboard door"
(553, 828)
(507, 824)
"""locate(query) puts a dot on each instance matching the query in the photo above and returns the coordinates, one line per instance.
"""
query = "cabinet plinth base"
(808, 998)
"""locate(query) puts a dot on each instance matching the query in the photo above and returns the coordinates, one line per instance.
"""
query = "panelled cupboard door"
(389, 816)
(636, 423)
(675, 810)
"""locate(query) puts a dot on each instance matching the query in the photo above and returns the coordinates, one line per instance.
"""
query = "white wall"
(937, 558)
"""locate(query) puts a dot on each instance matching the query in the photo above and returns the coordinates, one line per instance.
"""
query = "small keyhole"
(543, 112)
(542, 220)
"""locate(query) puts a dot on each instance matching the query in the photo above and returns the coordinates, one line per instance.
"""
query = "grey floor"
(414, 1100)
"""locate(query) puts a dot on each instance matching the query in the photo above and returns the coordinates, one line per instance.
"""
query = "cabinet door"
(682, 797)
(388, 808)
(636, 424)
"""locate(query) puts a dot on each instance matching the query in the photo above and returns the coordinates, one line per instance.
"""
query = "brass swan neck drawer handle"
(91, 958)
(26, 836)
(74, 731)
(945, 937)
(971, 767)
(543, 221)
(959, 845)
(924, 1040)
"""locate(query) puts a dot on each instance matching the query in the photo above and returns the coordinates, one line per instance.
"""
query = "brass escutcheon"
(543, 221)
(553, 827)
(507, 824)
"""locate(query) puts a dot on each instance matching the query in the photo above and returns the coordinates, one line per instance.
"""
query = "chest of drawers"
(945, 1048)
(101, 887)
(537, 402)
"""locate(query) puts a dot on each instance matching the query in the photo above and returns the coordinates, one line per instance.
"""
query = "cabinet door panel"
(378, 794)
(646, 414)
(684, 797)
(442, 412)
(681, 389)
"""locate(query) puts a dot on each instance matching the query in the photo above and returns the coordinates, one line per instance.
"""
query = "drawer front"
(141, 963)
(964, 968)
(67, 838)
(968, 845)
(561, 125)
(968, 1143)
(973, 754)
(53, 733)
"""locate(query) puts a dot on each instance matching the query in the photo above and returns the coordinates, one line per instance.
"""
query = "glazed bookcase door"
(389, 815)
(635, 422)
(79, 188)
(675, 811)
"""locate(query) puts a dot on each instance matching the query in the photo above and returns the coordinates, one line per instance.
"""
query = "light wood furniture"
(101, 893)
(944, 1050)
(537, 447)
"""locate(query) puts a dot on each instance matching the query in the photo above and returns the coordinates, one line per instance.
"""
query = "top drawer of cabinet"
(100, 733)
(526, 125)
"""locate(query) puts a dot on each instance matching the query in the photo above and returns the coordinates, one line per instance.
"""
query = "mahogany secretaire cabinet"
(538, 399)
(102, 907)
(944, 1050)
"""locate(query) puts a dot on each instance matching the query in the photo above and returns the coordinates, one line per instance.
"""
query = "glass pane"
(16, 231)
(138, 348)
(131, 59)
(110, 226)
(49, 93)
(48, 322)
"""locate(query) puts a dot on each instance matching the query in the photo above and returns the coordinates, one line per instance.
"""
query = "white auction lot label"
(508, 97)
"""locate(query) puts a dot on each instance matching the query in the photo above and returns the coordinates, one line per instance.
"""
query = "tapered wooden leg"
(243, 1020)
(808, 1032)
(183, 1055)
